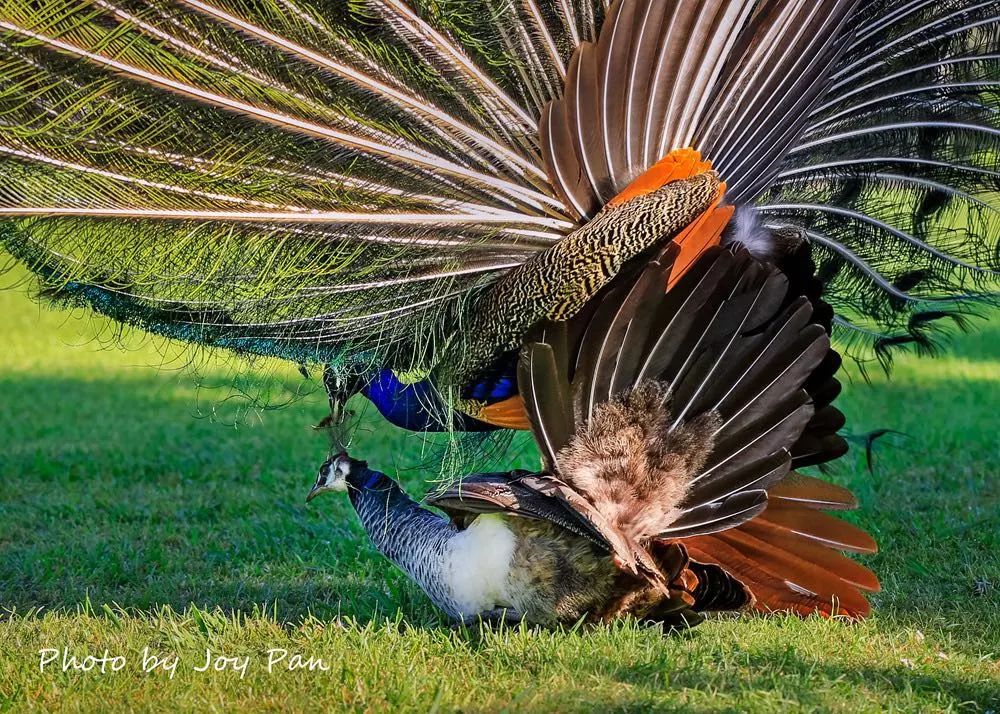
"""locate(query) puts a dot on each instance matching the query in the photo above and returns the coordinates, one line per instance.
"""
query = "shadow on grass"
(109, 489)
(806, 681)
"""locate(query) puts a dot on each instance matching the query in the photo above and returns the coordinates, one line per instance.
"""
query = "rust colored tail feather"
(788, 556)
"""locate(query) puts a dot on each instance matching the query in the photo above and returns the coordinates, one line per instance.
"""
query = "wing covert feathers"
(515, 495)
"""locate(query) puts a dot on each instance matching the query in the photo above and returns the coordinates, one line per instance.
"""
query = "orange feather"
(810, 492)
(702, 234)
(678, 165)
(788, 556)
(779, 579)
(793, 569)
(769, 592)
(706, 230)
(818, 526)
(823, 557)
(508, 414)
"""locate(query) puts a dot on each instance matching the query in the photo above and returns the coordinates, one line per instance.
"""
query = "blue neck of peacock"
(412, 537)
(417, 406)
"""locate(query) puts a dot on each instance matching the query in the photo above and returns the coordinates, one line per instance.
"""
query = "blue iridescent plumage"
(417, 406)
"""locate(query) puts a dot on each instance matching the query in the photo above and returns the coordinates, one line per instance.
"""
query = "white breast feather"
(478, 564)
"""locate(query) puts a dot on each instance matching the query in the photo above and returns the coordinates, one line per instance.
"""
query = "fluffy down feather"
(629, 463)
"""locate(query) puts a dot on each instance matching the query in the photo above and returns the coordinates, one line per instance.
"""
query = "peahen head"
(332, 476)
(342, 473)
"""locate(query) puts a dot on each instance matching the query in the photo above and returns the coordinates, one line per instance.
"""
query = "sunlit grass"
(131, 517)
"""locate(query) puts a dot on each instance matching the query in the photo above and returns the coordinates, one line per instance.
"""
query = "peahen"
(418, 196)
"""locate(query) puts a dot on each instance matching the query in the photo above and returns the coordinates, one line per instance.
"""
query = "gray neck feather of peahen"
(412, 537)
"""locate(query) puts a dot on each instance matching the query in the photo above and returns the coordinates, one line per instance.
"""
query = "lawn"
(149, 506)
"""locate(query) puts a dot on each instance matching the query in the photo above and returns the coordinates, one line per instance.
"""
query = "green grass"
(134, 514)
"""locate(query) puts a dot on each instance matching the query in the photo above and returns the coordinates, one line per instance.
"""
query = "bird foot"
(491, 619)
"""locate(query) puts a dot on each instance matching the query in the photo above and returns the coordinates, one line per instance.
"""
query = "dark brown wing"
(738, 339)
(789, 554)
(542, 381)
(515, 494)
(610, 350)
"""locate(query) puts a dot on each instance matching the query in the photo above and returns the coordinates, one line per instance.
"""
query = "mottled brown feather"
(628, 464)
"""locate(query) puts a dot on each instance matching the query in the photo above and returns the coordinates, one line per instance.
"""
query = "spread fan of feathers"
(341, 183)
(635, 228)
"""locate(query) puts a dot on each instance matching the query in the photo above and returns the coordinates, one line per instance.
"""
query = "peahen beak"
(323, 479)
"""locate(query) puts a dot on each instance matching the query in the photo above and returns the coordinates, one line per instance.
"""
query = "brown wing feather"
(812, 492)
(584, 125)
(637, 94)
(614, 48)
(570, 180)
(819, 527)
(546, 399)
(773, 75)
(733, 78)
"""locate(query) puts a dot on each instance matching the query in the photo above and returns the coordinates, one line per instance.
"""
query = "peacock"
(576, 217)
(669, 432)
